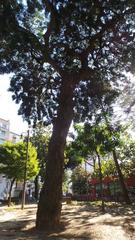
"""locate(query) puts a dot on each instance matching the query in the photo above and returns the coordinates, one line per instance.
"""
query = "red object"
(130, 181)
(94, 181)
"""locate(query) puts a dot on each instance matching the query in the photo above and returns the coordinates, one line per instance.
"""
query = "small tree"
(12, 162)
(80, 180)
(127, 157)
(40, 140)
(108, 168)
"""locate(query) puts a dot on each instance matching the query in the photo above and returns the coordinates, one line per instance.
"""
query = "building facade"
(6, 134)
(4, 130)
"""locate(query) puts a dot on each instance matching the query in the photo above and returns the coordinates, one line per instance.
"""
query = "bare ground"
(78, 221)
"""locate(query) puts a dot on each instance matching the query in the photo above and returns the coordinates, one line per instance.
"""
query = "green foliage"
(90, 42)
(127, 157)
(92, 138)
(89, 140)
(107, 167)
(40, 140)
(66, 181)
(125, 151)
(79, 180)
(13, 159)
(97, 137)
(73, 156)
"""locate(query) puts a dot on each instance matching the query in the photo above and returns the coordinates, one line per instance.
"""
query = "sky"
(8, 108)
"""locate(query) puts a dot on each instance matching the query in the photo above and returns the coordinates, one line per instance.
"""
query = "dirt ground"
(79, 221)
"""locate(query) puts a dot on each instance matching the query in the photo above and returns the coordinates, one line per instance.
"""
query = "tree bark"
(36, 193)
(10, 190)
(121, 179)
(50, 202)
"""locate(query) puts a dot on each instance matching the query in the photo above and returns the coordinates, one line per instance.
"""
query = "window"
(14, 139)
(2, 133)
(4, 125)
(1, 141)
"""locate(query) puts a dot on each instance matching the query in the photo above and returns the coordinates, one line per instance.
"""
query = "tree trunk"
(36, 193)
(121, 179)
(10, 190)
(50, 202)
(101, 183)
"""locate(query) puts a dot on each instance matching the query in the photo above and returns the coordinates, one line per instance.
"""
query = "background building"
(4, 130)
(6, 134)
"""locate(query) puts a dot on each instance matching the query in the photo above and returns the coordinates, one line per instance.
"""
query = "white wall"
(4, 187)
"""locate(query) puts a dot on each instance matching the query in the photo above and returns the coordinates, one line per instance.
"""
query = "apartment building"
(6, 134)
(4, 130)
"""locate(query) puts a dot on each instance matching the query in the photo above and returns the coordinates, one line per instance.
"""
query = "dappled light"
(78, 221)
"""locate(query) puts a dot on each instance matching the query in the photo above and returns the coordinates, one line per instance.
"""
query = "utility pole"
(25, 172)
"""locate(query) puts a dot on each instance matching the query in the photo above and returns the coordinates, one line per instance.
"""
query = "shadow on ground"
(73, 226)
(77, 222)
(123, 216)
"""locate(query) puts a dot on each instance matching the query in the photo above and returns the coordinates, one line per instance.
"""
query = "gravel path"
(81, 222)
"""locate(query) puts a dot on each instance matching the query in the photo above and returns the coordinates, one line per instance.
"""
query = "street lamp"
(25, 172)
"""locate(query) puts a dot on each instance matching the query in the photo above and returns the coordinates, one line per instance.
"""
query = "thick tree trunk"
(49, 208)
(10, 190)
(36, 193)
(101, 183)
(121, 179)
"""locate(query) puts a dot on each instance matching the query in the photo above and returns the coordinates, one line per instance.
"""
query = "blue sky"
(8, 108)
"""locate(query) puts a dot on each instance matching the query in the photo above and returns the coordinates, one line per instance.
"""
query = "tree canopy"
(13, 158)
(41, 43)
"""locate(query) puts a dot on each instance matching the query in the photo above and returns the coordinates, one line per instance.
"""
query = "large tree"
(63, 54)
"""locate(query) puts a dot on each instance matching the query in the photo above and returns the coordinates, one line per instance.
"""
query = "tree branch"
(39, 47)
(54, 19)
(84, 74)
(109, 25)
